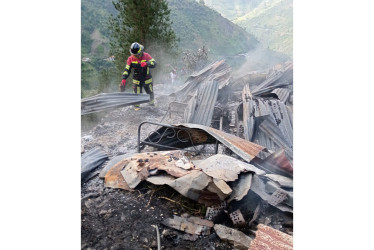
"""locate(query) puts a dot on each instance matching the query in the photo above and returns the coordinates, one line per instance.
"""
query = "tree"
(196, 60)
(143, 21)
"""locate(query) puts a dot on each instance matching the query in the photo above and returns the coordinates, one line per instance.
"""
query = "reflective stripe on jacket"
(140, 74)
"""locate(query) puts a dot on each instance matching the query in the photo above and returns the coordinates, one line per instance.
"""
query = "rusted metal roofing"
(106, 101)
(130, 171)
(245, 149)
(201, 106)
(272, 239)
(225, 167)
(280, 159)
(187, 135)
(219, 71)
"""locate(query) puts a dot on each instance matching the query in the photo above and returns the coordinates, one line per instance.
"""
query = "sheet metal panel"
(106, 101)
(248, 113)
(245, 149)
(273, 136)
(275, 79)
(219, 71)
(281, 118)
(282, 94)
(200, 108)
(91, 161)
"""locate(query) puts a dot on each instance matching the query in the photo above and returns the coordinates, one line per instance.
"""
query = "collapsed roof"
(261, 140)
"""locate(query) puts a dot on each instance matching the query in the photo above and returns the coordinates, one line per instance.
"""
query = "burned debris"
(90, 161)
(231, 152)
(105, 101)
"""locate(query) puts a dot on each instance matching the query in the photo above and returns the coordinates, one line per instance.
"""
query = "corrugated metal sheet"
(106, 101)
(275, 79)
(282, 94)
(272, 239)
(248, 113)
(219, 71)
(91, 161)
(200, 108)
(245, 149)
(280, 116)
(272, 123)
(272, 137)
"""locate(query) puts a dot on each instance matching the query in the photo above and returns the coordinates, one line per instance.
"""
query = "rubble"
(237, 218)
(269, 238)
(189, 224)
(218, 71)
(90, 161)
(235, 237)
(247, 183)
(188, 135)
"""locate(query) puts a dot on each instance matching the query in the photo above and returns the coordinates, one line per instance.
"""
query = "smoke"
(260, 59)
(168, 60)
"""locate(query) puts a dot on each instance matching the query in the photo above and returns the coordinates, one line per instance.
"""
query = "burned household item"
(188, 135)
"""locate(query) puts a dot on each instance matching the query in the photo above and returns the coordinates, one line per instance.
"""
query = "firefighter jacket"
(140, 74)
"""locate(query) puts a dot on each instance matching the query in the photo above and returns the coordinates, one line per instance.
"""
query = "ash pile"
(231, 151)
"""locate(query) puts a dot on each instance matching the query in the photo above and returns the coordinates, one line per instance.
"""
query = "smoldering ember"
(209, 167)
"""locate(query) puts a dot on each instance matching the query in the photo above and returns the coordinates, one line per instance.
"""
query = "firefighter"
(141, 62)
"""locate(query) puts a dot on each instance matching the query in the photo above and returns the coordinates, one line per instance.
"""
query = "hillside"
(193, 23)
(232, 9)
(94, 16)
(272, 23)
(198, 25)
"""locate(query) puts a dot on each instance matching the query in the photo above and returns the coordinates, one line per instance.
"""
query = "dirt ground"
(119, 219)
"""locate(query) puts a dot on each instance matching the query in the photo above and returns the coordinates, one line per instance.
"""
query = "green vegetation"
(272, 23)
(234, 8)
(194, 24)
(197, 26)
(143, 21)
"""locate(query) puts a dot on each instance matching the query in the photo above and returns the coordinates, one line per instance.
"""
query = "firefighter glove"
(144, 64)
(123, 83)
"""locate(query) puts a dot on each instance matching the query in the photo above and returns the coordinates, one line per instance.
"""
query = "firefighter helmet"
(136, 48)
